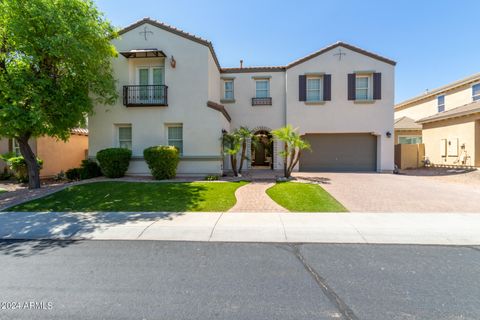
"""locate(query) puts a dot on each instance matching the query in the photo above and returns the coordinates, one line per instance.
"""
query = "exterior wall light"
(389, 134)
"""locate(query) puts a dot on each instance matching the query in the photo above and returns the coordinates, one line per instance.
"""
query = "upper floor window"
(125, 136)
(314, 89)
(262, 88)
(441, 103)
(228, 90)
(476, 92)
(16, 147)
(175, 136)
(363, 87)
(150, 75)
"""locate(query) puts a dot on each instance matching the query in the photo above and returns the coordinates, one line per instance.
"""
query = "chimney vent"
(241, 64)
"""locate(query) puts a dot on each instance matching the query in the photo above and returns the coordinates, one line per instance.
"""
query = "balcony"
(262, 101)
(145, 96)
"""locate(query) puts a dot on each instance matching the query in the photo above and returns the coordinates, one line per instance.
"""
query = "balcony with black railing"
(145, 95)
(267, 101)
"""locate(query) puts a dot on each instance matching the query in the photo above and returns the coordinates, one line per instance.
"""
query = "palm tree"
(293, 146)
(231, 146)
(244, 133)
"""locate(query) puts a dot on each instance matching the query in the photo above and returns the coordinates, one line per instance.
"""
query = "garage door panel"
(340, 152)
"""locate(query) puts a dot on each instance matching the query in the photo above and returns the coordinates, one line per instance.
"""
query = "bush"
(19, 167)
(114, 162)
(73, 174)
(211, 178)
(90, 169)
(162, 161)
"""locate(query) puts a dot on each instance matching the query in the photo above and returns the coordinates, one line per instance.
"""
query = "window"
(125, 136)
(409, 139)
(314, 89)
(441, 103)
(175, 136)
(228, 90)
(262, 88)
(150, 76)
(16, 147)
(476, 92)
(362, 87)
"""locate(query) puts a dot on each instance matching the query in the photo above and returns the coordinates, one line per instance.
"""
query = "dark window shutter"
(351, 86)
(377, 86)
(327, 87)
(302, 88)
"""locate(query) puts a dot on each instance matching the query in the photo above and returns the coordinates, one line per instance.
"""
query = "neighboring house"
(450, 120)
(57, 155)
(175, 92)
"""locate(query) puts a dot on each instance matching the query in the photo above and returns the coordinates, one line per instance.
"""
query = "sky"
(433, 42)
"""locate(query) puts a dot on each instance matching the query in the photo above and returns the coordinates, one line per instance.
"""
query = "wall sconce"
(388, 134)
(173, 62)
(224, 131)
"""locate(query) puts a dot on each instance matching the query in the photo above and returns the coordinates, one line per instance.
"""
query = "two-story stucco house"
(175, 92)
(447, 121)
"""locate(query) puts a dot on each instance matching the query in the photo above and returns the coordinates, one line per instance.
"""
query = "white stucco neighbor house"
(174, 91)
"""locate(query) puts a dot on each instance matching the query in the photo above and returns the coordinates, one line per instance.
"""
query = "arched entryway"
(262, 150)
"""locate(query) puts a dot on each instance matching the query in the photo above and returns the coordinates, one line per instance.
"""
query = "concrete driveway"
(376, 192)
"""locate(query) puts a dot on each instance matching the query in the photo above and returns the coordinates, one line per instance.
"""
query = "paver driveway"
(375, 192)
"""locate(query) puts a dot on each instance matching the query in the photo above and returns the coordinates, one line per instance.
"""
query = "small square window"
(228, 90)
(314, 88)
(175, 136)
(441, 103)
(362, 87)
(476, 92)
(125, 136)
(262, 88)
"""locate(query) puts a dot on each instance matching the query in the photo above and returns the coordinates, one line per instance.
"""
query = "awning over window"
(143, 53)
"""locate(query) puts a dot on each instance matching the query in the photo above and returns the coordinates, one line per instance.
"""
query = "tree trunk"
(285, 160)
(233, 160)
(242, 158)
(31, 160)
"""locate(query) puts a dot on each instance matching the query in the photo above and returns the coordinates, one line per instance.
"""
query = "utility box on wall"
(443, 147)
(452, 145)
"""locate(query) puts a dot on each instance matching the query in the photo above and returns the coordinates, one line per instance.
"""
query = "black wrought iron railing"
(262, 101)
(145, 95)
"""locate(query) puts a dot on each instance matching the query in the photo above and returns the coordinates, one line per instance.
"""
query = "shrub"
(73, 174)
(162, 161)
(211, 178)
(90, 169)
(19, 167)
(114, 161)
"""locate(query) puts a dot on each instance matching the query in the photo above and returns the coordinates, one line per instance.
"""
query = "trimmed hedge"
(73, 174)
(162, 161)
(114, 162)
(89, 169)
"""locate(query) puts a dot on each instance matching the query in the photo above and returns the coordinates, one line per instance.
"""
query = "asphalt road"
(194, 280)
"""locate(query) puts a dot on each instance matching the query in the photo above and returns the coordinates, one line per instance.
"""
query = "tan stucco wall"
(60, 156)
(463, 129)
(341, 115)
(407, 133)
(189, 89)
(428, 107)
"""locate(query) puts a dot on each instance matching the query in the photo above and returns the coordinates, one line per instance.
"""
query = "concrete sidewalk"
(385, 228)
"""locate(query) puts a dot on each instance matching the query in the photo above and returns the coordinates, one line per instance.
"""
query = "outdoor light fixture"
(224, 131)
(389, 134)
(173, 62)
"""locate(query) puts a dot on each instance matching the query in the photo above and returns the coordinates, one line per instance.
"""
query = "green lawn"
(2, 190)
(138, 196)
(304, 197)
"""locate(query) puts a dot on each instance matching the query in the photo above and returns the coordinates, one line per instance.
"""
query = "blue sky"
(433, 42)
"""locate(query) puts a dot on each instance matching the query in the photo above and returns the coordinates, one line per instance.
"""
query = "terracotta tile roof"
(406, 123)
(464, 110)
(174, 30)
(80, 131)
(440, 90)
(254, 69)
(219, 108)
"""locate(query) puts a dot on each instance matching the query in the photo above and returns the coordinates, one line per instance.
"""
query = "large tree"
(55, 64)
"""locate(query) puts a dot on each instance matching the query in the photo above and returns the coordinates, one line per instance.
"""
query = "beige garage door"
(340, 152)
